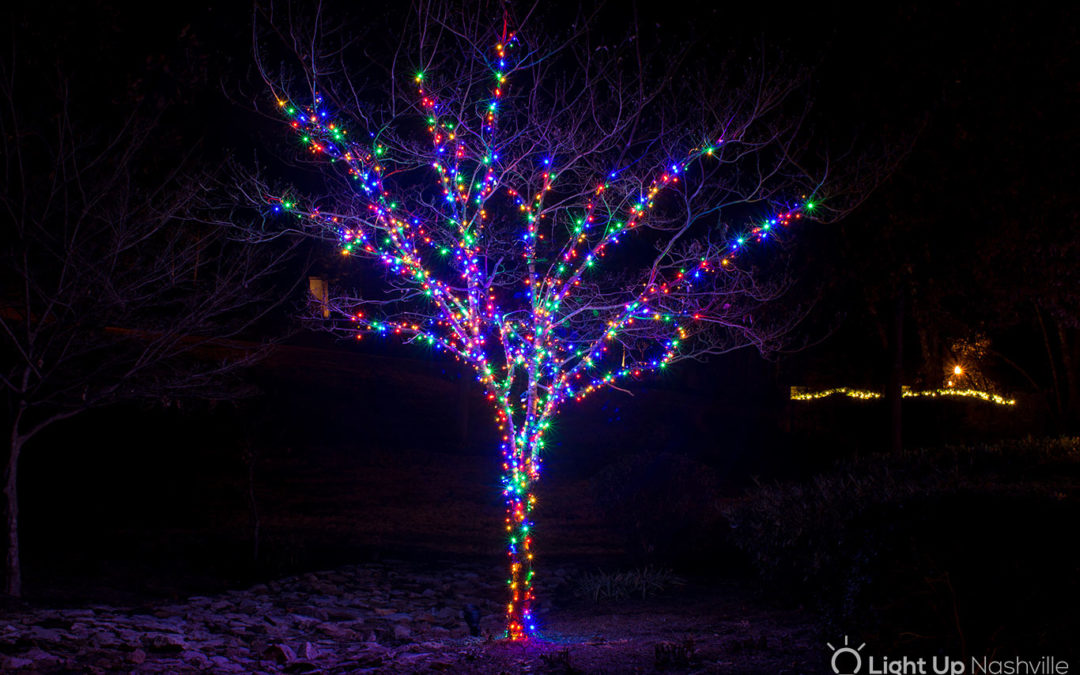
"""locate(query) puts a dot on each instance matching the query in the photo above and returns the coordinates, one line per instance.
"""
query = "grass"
(643, 582)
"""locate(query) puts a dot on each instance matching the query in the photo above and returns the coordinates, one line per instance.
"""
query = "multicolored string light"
(523, 345)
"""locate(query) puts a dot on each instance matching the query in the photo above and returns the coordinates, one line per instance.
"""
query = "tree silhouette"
(117, 283)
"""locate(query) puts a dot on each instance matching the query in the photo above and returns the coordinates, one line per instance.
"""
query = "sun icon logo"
(853, 662)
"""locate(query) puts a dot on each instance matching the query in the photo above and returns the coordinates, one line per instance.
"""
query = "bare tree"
(561, 214)
(116, 284)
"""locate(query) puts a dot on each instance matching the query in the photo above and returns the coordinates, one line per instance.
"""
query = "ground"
(407, 617)
(133, 558)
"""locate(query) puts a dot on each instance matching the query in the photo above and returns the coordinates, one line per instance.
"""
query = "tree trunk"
(895, 392)
(520, 478)
(12, 566)
(250, 458)
(1069, 359)
(1053, 367)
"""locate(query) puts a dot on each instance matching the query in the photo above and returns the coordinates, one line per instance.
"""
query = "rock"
(223, 665)
(280, 653)
(304, 619)
(248, 607)
(326, 622)
(316, 612)
(47, 635)
(11, 663)
(336, 631)
(447, 613)
(413, 658)
(196, 658)
(164, 643)
(442, 664)
(102, 638)
(342, 614)
(40, 657)
(168, 613)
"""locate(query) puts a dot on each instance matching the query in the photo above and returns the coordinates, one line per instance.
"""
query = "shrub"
(956, 547)
(663, 502)
(643, 582)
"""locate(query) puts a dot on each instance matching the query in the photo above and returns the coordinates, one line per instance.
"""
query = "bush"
(957, 547)
(664, 503)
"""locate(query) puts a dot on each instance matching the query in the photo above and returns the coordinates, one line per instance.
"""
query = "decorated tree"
(545, 211)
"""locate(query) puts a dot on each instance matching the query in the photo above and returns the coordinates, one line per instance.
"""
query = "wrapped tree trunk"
(519, 480)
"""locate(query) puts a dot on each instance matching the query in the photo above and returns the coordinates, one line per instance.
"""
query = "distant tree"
(560, 214)
(927, 267)
(115, 283)
(1035, 209)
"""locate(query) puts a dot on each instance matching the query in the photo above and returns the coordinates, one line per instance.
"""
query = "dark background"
(353, 452)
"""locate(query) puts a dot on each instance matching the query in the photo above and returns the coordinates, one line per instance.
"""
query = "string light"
(863, 394)
(527, 336)
(987, 396)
